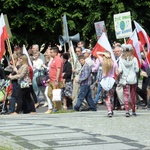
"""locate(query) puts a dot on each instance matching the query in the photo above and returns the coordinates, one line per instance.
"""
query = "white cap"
(126, 47)
(86, 51)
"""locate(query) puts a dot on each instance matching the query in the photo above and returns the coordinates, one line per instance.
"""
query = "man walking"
(55, 76)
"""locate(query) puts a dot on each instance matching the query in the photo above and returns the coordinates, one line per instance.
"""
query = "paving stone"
(76, 131)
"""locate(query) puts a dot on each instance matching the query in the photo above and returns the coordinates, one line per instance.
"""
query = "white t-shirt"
(37, 64)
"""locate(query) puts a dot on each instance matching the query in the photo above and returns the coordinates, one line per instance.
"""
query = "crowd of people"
(85, 81)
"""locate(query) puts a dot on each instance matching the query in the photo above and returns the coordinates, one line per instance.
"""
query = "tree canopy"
(39, 21)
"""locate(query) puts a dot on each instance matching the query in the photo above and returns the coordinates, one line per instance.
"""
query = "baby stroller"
(5, 94)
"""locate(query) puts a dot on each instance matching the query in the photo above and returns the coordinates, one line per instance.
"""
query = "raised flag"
(144, 38)
(133, 40)
(3, 36)
(24, 51)
(102, 45)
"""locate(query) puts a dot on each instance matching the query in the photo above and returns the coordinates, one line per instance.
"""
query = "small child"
(85, 82)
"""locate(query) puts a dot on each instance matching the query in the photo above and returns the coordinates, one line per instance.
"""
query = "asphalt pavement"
(72, 130)
(76, 131)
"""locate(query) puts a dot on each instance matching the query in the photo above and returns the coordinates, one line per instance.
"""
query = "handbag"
(24, 84)
(41, 79)
(107, 83)
(56, 95)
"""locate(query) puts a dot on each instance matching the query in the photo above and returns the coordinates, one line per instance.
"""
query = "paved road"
(76, 131)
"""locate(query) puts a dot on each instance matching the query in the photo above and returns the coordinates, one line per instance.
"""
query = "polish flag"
(144, 38)
(3, 36)
(102, 45)
(24, 51)
(133, 40)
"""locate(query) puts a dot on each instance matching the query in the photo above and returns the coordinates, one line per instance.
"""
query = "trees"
(40, 21)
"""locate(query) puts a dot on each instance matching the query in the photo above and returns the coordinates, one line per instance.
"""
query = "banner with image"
(100, 28)
(122, 24)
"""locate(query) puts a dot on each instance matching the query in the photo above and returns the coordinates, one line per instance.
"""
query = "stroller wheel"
(3, 112)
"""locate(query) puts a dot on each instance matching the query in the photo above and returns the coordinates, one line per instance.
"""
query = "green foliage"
(5, 148)
(40, 21)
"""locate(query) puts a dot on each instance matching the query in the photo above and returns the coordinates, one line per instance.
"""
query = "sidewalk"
(76, 131)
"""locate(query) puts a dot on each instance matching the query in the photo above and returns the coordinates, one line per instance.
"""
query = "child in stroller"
(5, 95)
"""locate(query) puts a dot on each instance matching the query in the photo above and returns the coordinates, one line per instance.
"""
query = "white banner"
(122, 23)
(100, 28)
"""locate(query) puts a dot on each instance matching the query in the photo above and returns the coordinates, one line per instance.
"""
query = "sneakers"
(127, 114)
(110, 114)
(133, 114)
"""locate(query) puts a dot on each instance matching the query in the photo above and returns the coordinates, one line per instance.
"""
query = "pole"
(72, 52)
(10, 51)
(125, 41)
(65, 47)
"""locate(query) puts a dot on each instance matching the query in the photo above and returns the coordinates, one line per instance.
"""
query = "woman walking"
(128, 67)
(24, 97)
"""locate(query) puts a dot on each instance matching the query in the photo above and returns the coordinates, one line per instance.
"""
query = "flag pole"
(125, 41)
(65, 47)
(10, 51)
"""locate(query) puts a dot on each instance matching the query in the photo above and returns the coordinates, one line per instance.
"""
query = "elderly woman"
(128, 67)
(23, 98)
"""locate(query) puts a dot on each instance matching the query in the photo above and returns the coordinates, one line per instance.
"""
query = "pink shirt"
(56, 63)
(112, 71)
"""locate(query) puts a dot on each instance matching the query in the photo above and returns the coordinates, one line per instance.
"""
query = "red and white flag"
(24, 51)
(133, 40)
(102, 45)
(3, 36)
(144, 38)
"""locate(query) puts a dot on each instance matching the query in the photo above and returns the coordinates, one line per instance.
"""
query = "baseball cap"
(86, 51)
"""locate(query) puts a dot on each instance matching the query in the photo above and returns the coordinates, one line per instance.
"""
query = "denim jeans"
(85, 93)
(99, 88)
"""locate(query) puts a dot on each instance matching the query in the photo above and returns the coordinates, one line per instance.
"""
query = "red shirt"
(56, 63)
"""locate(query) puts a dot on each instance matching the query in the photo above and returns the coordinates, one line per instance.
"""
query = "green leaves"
(39, 22)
